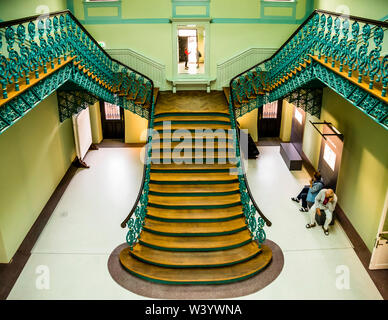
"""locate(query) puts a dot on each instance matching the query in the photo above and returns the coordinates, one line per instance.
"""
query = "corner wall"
(35, 155)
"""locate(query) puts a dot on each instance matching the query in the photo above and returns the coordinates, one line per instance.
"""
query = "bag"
(321, 219)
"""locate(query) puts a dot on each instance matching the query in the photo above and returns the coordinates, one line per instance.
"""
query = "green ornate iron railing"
(343, 52)
(250, 208)
(40, 53)
(135, 219)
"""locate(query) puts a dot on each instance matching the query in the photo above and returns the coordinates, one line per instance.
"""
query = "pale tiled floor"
(192, 68)
(85, 228)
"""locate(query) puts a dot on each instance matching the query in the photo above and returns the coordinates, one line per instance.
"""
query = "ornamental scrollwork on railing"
(136, 222)
(254, 222)
(349, 44)
(42, 44)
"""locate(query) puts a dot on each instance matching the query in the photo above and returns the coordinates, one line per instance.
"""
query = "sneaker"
(295, 199)
(303, 210)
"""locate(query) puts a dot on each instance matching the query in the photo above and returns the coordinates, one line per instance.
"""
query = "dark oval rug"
(217, 291)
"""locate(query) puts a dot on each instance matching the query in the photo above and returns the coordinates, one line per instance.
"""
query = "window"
(329, 156)
(270, 110)
(112, 112)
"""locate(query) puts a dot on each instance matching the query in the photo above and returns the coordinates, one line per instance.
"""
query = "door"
(379, 259)
(183, 43)
(269, 119)
(297, 129)
(330, 157)
(112, 118)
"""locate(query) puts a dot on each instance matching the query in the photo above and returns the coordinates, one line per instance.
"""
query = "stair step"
(191, 188)
(193, 166)
(158, 139)
(219, 275)
(205, 243)
(155, 176)
(194, 215)
(194, 200)
(190, 229)
(190, 115)
(204, 117)
(193, 126)
(191, 122)
(213, 259)
(200, 144)
(193, 194)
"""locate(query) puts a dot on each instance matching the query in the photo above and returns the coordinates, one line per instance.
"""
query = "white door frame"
(376, 254)
(176, 23)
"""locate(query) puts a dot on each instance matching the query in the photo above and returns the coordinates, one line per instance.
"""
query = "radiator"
(82, 133)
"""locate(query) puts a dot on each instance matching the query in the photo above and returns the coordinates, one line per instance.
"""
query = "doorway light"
(329, 156)
(298, 116)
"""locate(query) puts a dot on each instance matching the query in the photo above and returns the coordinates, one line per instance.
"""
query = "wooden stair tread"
(192, 176)
(198, 126)
(194, 187)
(160, 113)
(206, 243)
(192, 201)
(190, 117)
(197, 275)
(195, 228)
(184, 134)
(194, 214)
(191, 144)
(193, 166)
(192, 259)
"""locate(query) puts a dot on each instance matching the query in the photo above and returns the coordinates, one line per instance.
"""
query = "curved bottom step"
(217, 275)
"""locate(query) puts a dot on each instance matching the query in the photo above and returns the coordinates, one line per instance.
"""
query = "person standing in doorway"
(187, 52)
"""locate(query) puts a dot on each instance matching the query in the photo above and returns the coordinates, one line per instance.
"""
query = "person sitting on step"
(326, 201)
(308, 193)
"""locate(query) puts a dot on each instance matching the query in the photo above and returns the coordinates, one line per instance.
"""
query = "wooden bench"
(291, 156)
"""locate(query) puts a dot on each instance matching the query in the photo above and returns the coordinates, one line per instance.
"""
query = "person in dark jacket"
(308, 193)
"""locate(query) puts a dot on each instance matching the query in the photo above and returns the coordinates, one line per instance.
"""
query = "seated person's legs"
(302, 194)
(329, 217)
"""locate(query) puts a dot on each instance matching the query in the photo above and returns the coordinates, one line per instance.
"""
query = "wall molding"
(229, 68)
(149, 67)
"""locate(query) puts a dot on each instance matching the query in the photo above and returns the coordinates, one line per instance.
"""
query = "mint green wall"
(154, 40)
(15, 9)
(35, 154)
(373, 9)
(363, 176)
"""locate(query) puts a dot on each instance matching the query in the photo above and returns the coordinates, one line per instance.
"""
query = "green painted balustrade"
(343, 52)
(39, 54)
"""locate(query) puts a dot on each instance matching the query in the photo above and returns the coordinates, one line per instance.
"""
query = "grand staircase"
(195, 220)
(194, 230)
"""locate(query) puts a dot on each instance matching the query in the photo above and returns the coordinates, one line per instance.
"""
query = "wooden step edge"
(193, 182)
(152, 216)
(187, 114)
(194, 234)
(193, 194)
(193, 170)
(232, 246)
(187, 265)
(266, 255)
(204, 207)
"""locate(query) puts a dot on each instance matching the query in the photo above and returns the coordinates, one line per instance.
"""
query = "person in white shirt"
(325, 200)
